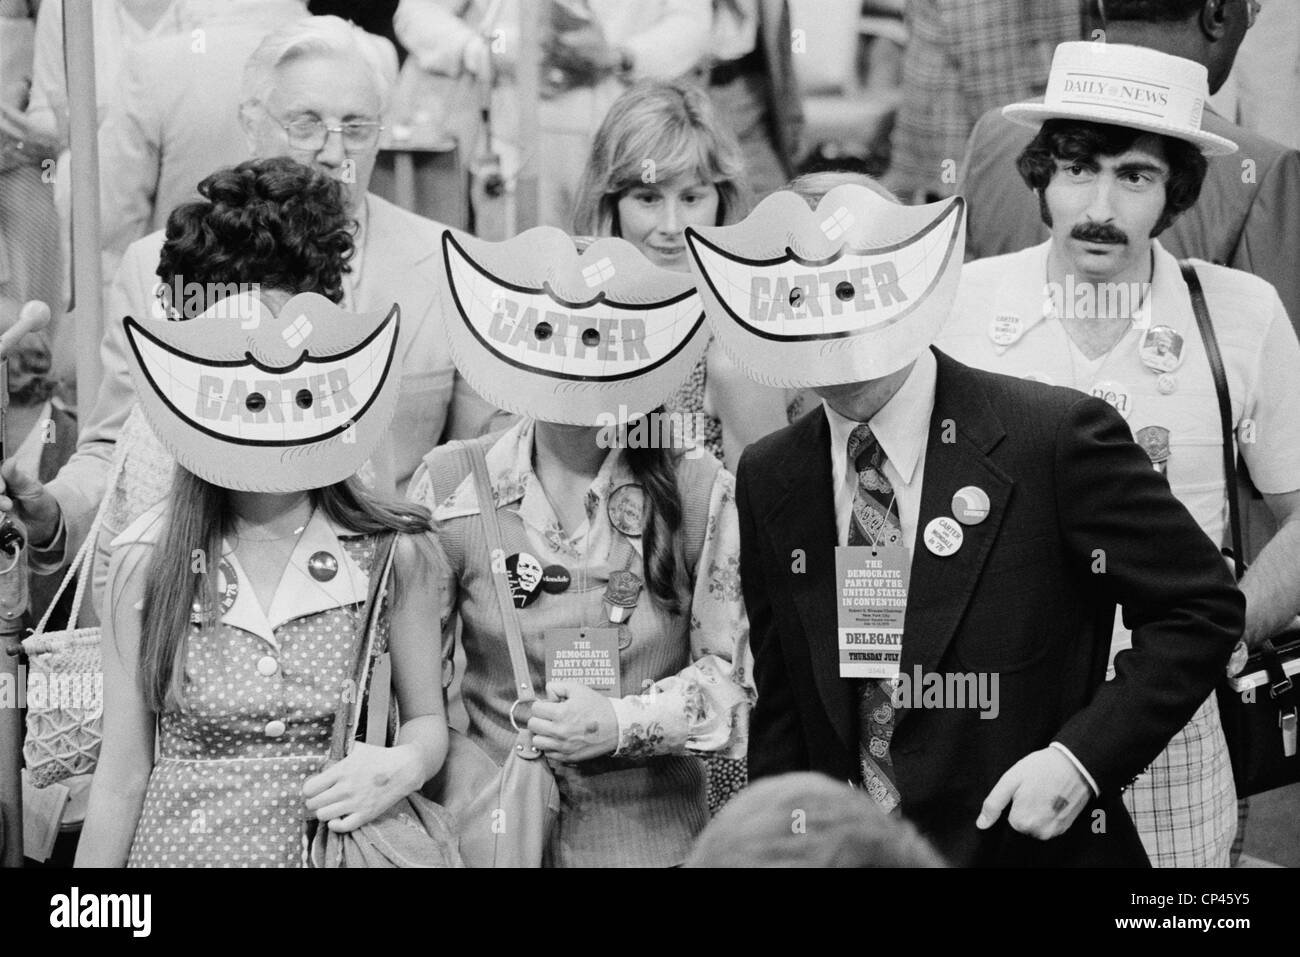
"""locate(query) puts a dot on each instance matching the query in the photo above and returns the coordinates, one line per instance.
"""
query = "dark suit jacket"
(1026, 597)
(1247, 216)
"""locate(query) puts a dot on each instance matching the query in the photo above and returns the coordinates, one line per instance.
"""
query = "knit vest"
(615, 811)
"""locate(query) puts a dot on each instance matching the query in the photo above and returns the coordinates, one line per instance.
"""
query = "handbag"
(1258, 708)
(414, 832)
(65, 684)
(504, 813)
(65, 668)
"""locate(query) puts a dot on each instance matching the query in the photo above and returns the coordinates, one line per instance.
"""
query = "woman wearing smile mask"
(238, 606)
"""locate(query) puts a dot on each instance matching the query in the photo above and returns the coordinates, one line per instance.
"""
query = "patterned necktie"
(874, 522)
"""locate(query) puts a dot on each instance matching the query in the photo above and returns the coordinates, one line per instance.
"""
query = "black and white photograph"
(651, 434)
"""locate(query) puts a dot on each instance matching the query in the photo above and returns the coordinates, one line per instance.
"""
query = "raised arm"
(126, 753)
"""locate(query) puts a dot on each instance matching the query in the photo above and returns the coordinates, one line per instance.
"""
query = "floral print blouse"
(703, 708)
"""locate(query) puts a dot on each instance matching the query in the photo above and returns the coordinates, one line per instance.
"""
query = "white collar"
(901, 426)
(511, 477)
(510, 474)
(299, 594)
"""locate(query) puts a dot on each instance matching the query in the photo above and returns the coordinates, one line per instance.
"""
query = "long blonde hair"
(655, 132)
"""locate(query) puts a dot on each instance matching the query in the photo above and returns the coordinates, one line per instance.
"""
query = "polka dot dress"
(226, 788)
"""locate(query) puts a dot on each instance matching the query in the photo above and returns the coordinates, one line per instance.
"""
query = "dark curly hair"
(273, 221)
(1082, 141)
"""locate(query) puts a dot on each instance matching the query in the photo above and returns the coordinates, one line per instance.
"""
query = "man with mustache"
(1103, 308)
(1250, 209)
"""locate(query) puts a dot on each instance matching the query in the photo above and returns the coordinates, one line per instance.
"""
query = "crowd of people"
(919, 427)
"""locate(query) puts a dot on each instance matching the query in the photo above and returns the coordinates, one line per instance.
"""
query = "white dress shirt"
(902, 427)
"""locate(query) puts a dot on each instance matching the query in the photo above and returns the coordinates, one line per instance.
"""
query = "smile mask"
(851, 291)
(268, 403)
(539, 330)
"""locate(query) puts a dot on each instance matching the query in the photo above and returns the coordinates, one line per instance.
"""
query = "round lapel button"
(943, 536)
(970, 505)
(323, 566)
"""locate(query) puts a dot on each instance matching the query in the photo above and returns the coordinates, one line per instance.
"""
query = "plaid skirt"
(1185, 803)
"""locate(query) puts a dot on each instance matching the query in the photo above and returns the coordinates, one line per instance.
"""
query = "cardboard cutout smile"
(852, 291)
(253, 401)
(542, 331)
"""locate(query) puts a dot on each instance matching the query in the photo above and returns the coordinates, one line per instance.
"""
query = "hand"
(15, 126)
(27, 499)
(584, 49)
(1240, 653)
(576, 724)
(362, 786)
(1046, 793)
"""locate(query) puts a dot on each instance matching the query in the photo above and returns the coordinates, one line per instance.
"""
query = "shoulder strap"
(699, 477)
(523, 690)
(448, 465)
(347, 717)
(1212, 353)
(81, 566)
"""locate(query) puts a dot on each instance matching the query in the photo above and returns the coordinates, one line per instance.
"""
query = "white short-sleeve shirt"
(1261, 358)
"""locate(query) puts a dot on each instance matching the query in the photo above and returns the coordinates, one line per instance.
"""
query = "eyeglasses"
(310, 134)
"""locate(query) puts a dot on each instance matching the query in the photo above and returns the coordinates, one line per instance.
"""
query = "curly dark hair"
(273, 221)
(1082, 141)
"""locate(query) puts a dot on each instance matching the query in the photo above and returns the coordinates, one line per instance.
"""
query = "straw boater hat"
(851, 291)
(251, 401)
(1125, 86)
(539, 330)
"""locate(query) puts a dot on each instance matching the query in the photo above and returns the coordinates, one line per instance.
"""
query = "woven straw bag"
(65, 686)
(65, 677)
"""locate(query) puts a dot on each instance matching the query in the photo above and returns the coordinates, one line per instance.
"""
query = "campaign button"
(1116, 393)
(556, 579)
(626, 509)
(943, 536)
(323, 566)
(970, 505)
(524, 575)
(1161, 349)
(1006, 329)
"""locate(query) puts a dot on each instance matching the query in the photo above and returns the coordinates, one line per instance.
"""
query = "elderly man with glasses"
(315, 90)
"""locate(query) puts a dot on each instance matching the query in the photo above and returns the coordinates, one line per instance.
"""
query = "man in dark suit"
(1058, 515)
